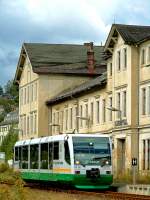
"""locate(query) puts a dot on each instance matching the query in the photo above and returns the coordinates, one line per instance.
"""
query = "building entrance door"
(121, 144)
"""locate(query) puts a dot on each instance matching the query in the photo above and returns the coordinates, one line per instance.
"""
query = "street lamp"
(116, 110)
(58, 125)
(82, 118)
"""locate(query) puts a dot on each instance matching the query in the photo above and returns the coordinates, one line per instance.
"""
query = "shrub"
(3, 167)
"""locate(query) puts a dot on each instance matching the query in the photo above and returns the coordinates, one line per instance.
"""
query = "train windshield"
(92, 151)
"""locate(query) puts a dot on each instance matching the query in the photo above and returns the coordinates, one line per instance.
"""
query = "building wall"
(50, 86)
(144, 108)
(34, 90)
(122, 87)
(89, 107)
(28, 102)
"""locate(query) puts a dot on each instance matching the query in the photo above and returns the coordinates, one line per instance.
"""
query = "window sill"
(143, 65)
(144, 116)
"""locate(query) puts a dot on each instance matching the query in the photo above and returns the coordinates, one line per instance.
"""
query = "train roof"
(56, 138)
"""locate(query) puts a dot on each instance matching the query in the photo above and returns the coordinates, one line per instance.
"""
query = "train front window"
(91, 151)
(44, 156)
(25, 157)
(34, 152)
(16, 153)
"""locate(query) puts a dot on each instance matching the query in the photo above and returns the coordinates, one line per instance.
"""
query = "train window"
(67, 152)
(56, 150)
(50, 156)
(44, 156)
(20, 157)
(24, 157)
(16, 154)
(34, 149)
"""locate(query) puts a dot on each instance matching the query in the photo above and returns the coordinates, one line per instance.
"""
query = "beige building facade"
(121, 107)
(110, 98)
(41, 76)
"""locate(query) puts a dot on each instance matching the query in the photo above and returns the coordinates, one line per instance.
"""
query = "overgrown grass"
(9, 177)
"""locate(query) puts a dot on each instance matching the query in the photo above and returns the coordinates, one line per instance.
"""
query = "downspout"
(138, 96)
(50, 121)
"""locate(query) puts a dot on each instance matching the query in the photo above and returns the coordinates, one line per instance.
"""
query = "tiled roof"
(133, 33)
(79, 90)
(63, 58)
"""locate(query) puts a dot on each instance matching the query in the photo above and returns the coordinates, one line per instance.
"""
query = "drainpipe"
(138, 96)
(50, 121)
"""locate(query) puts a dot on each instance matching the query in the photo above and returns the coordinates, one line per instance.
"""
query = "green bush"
(3, 167)
(8, 143)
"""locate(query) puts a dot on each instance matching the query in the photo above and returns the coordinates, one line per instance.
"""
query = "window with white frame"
(81, 115)
(97, 112)
(92, 112)
(146, 154)
(143, 56)
(75, 117)
(35, 88)
(62, 120)
(28, 122)
(148, 100)
(86, 114)
(24, 124)
(124, 102)
(103, 110)
(20, 123)
(110, 112)
(32, 92)
(110, 69)
(148, 55)
(28, 76)
(25, 95)
(125, 58)
(28, 94)
(71, 118)
(54, 121)
(118, 104)
(143, 101)
(57, 118)
(118, 61)
(21, 96)
(35, 122)
(31, 122)
(66, 119)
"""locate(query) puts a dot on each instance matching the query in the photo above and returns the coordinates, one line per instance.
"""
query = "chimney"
(90, 57)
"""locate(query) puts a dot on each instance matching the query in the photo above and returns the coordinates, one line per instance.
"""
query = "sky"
(61, 21)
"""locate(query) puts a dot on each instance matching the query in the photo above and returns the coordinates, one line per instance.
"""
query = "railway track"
(106, 195)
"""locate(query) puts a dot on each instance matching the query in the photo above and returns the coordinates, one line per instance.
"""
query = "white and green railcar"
(80, 160)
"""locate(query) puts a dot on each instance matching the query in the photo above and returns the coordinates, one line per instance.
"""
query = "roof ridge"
(61, 44)
(131, 25)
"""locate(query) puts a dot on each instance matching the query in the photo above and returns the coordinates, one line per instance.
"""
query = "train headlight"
(77, 162)
(107, 162)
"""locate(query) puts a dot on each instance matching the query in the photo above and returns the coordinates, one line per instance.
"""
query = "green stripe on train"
(77, 180)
